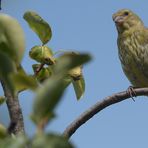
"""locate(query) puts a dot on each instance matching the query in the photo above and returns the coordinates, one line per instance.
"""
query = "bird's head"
(125, 19)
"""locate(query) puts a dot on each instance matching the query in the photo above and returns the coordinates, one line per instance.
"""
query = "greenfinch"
(132, 46)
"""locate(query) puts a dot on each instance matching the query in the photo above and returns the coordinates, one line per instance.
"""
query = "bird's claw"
(131, 92)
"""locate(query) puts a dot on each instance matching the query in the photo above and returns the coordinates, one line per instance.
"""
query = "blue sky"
(86, 26)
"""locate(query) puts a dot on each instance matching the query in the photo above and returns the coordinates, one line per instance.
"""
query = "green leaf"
(50, 92)
(39, 26)
(42, 54)
(2, 100)
(47, 97)
(77, 81)
(3, 131)
(43, 74)
(79, 87)
(75, 73)
(6, 65)
(69, 61)
(19, 141)
(12, 41)
(6, 69)
(50, 141)
(22, 81)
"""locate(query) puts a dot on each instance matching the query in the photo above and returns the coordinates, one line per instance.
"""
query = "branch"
(89, 113)
(15, 112)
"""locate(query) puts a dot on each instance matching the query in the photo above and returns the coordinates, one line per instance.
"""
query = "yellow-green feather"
(133, 53)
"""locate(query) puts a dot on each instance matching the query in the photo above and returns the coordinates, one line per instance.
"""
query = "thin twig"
(89, 113)
(39, 69)
(15, 112)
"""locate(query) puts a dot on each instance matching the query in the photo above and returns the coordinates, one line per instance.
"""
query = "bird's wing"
(142, 38)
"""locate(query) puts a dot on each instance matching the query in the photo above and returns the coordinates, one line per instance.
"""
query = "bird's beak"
(118, 19)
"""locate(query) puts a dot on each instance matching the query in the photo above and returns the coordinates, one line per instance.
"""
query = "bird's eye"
(126, 13)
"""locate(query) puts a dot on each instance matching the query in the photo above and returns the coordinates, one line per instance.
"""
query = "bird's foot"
(131, 92)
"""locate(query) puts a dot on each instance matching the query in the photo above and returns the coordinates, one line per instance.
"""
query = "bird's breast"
(133, 57)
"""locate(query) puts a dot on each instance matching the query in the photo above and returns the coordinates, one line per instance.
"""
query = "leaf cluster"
(52, 75)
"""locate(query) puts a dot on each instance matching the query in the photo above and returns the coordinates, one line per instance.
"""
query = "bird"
(132, 42)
